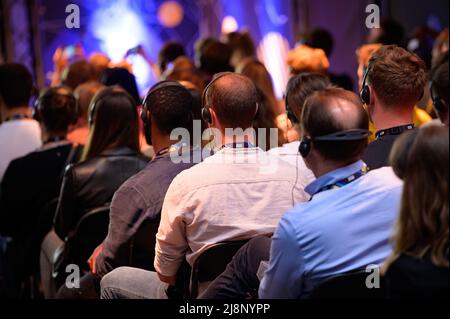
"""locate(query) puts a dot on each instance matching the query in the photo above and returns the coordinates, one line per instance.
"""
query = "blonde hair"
(421, 159)
(364, 53)
(306, 59)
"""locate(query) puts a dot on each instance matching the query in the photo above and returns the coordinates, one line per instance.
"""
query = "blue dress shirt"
(338, 231)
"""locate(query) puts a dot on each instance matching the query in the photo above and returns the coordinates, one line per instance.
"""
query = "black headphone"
(146, 121)
(365, 91)
(206, 113)
(348, 135)
(94, 103)
(438, 103)
(44, 100)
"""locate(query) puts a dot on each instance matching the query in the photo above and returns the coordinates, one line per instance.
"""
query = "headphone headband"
(144, 114)
(160, 86)
(206, 114)
(52, 93)
(347, 135)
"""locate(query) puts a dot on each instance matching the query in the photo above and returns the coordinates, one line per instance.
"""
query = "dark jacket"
(92, 184)
(409, 277)
(28, 198)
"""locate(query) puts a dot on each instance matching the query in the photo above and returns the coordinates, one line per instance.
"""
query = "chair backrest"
(90, 232)
(142, 248)
(212, 262)
(348, 286)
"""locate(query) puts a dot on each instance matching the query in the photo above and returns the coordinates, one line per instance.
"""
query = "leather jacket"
(92, 184)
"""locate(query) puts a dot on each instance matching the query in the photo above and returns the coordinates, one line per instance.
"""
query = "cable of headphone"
(296, 179)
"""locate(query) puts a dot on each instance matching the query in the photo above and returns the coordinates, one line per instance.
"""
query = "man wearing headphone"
(236, 194)
(439, 88)
(393, 83)
(343, 228)
(32, 182)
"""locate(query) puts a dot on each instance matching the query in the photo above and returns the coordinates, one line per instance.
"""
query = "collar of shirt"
(334, 176)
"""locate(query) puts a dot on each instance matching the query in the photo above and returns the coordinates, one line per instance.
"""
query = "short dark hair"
(234, 103)
(169, 53)
(301, 86)
(77, 73)
(16, 85)
(242, 42)
(171, 107)
(318, 120)
(216, 58)
(396, 75)
(439, 77)
(123, 78)
(57, 109)
(320, 39)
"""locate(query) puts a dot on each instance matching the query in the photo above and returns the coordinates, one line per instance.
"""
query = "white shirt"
(17, 139)
(289, 153)
(233, 195)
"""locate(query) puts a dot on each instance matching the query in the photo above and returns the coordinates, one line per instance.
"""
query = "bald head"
(233, 98)
(330, 111)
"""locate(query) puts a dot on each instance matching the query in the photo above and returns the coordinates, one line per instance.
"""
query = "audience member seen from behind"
(269, 108)
(439, 88)
(363, 54)
(419, 264)
(243, 49)
(306, 249)
(215, 58)
(110, 157)
(299, 88)
(323, 39)
(77, 73)
(84, 94)
(19, 133)
(394, 82)
(123, 78)
(168, 106)
(238, 193)
(31, 185)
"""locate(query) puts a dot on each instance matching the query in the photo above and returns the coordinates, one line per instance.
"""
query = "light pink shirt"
(235, 194)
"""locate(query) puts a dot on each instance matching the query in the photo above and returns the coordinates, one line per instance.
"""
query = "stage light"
(272, 51)
(229, 24)
(118, 29)
(170, 14)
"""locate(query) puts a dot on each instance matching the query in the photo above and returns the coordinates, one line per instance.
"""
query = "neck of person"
(48, 136)
(161, 142)
(323, 167)
(237, 138)
(17, 111)
(388, 117)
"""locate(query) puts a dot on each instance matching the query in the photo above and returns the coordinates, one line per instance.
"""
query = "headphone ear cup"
(206, 115)
(440, 105)
(305, 148)
(365, 95)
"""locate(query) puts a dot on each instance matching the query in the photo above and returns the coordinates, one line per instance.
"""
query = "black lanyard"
(341, 183)
(238, 145)
(17, 117)
(395, 130)
(55, 139)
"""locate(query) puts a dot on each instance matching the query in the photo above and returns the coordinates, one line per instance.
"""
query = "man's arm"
(283, 279)
(171, 241)
(126, 215)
